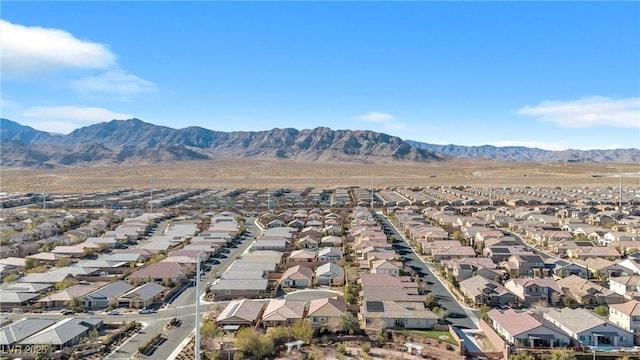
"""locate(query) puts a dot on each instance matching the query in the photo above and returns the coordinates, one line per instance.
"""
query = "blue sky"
(553, 75)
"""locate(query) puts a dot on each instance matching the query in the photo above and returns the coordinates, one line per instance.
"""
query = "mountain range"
(136, 141)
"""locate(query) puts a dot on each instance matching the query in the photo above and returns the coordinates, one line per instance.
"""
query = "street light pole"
(197, 339)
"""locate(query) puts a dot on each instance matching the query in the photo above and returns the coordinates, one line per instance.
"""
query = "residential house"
(240, 312)
(297, 276)
(143, 296)
(627, 286)
(524, 328)
(64, 297)
(65, 333)
(162, 272)
(587, 292)
(327, 311)
(626, 315)
(393, 302)
(587, 328)
(532, 291)
(479, 291)
(386, 267)
(283, 312)
(12, 334)
(605, 252)
(331, 240)
(526, 265)
(330, 274)
(329, 254)
(302, 256)
(105, 296)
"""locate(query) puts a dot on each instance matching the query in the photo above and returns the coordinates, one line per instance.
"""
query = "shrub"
(341, 348)
(366, 347)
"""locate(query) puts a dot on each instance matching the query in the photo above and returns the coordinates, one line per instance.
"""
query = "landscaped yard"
(443, 336)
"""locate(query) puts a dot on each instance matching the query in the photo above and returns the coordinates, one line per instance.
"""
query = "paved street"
(459, 316)
(183, 307)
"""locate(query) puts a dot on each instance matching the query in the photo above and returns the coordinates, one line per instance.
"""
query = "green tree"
(348, 322)
(87, 253)
(563, 354)
(11, 277)
(602, 310)
(442, 313)
(521, 356)
(30, 263)
(67, 282)
(63, 262)
(302, 330)
(484, 309)
(430, 301)
(279, 334)
(210, 329)
(252, 343)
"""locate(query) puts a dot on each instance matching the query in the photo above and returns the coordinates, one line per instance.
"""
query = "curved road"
(459, 316)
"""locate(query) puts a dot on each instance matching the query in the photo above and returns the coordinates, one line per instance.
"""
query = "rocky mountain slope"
(135, 141)
(525, 154)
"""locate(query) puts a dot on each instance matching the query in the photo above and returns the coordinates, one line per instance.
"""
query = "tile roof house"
(587, 292)
(524, 328)
(283, 312)
(241, 312)
(393, 302)
(535, 291)
(105, 296)
(330, 274)
(627, 286)
(384, 266)
(15, 332)
(62, 298)
(329, 254)
(65, 333)
(626, 315)
(586, 328)
(326, 311)
(163, 271)
(302, 255)
(297, 276)
(526, 265)
(143, 296)
(481, 291)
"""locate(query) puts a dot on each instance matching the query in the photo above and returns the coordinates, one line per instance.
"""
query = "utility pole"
(490, 188)
(620, 191)
(197, 339)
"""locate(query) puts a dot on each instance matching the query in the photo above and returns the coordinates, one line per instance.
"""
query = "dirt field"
(221, 174)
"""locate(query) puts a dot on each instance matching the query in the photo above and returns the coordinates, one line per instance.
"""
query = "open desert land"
(235, 173)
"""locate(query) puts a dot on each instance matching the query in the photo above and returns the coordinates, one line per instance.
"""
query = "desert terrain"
(252, 173)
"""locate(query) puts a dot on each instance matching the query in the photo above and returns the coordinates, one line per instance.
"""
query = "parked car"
(68, 312)
(113, 312)
(146, 311)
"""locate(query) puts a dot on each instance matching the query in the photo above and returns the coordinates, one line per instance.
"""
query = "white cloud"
(376, 117)
(64, 119)
(117, 83)
(588, 112)
(26, 51)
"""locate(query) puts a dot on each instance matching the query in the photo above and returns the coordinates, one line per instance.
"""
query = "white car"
(146, 311)
(113, 312)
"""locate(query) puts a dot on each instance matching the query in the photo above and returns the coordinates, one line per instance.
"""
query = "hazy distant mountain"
(135, 141)
(523, 154)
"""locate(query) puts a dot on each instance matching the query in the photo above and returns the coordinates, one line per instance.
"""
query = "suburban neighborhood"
(433, 272)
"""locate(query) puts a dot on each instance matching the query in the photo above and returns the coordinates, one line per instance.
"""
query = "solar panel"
(375, 306)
